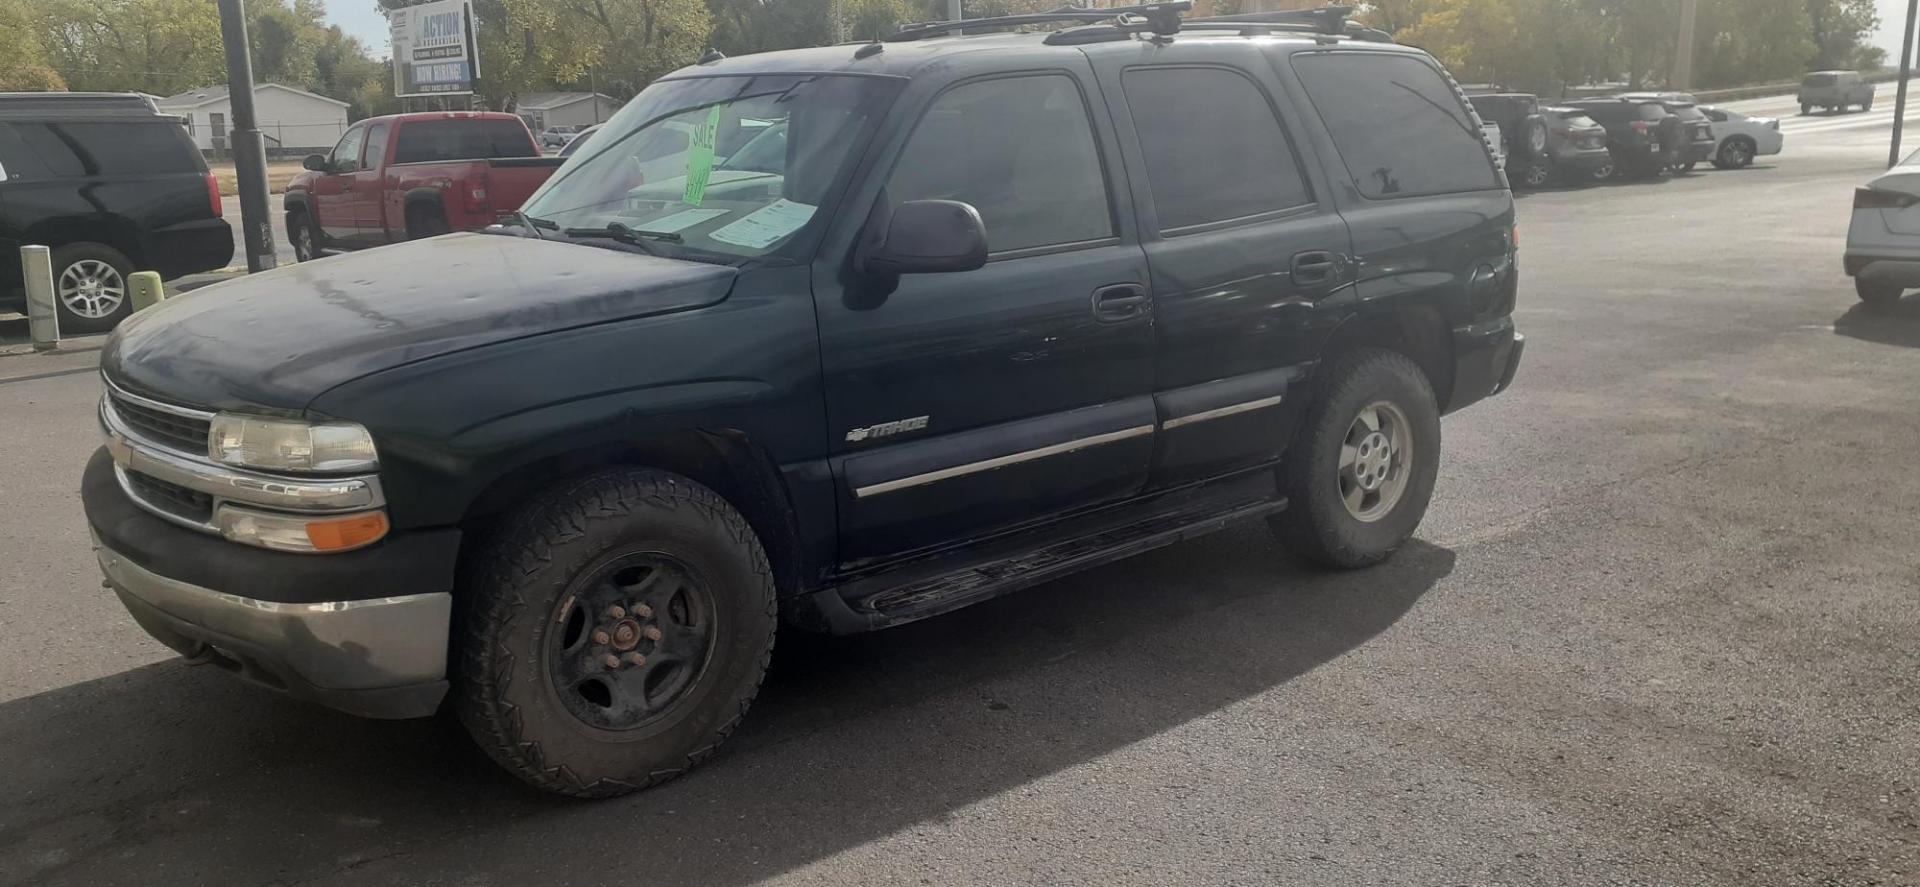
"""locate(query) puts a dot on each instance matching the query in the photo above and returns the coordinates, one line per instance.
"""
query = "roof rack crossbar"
(1325, 20)
(1162, 17)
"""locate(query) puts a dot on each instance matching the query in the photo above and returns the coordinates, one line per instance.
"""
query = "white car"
(1883, 240)
(1742, 138)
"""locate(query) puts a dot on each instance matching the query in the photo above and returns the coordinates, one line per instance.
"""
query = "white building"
(543, 109)
(293, 120)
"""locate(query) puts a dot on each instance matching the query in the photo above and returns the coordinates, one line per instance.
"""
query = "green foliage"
(1544, 46)
(23, 55)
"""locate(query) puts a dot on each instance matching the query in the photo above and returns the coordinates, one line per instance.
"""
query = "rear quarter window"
(67, 149)
(1400, 128)
(427, 141)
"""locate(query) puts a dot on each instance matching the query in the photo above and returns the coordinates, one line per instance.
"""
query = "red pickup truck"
(407, 176)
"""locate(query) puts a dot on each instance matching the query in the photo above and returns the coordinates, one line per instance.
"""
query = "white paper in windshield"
(762, 227)
(682, 220)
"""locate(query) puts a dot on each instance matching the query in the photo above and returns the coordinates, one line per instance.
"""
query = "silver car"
(1883, 240)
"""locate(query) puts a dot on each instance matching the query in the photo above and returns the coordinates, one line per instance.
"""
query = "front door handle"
(1314, 267)
(1120, 301)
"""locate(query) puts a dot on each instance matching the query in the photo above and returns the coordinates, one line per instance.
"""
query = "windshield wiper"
(534, 225)
(625, 234)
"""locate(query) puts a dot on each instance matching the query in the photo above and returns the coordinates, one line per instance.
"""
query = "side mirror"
(927, 237)
(315, 162)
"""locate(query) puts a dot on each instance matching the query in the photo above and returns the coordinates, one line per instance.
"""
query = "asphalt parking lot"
(1659, 628)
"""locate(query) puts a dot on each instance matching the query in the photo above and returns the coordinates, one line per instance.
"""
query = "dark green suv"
(998, 308)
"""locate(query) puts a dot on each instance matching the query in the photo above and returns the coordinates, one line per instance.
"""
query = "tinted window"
(1716, 115)
(1400, 128)
(74, 149)
(1021, 150)
(1818, 80)
(376, 143)
(1651, 112)
(1242, 167)
(346, 153)
(462, 139)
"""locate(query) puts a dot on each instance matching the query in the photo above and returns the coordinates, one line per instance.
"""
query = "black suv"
(990, 315)
(1576, 147)
(1644, 138)
(114, 187)
(1523, 131)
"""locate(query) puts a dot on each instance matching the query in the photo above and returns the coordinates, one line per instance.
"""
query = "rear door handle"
(1120, 301)
(1314, 267)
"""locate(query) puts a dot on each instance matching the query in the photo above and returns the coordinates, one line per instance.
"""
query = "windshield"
(718, 167)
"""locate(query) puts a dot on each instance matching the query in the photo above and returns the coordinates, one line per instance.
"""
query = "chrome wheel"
(1374, 461)
(302, 235)
(92, 289)
(1537, 175)
(1737, 155)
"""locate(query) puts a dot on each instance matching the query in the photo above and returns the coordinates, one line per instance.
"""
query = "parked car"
(1834, 91)
(408, 176)
(1523, 133)
(1576, 149)
(570, 474)
(1883, 238)
(1739, 138)
(113, 187)
(1643, 136)
(1699, 141)
(558, 136)
(580, 141)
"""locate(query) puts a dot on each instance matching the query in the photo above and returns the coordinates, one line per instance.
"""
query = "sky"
(362, 19)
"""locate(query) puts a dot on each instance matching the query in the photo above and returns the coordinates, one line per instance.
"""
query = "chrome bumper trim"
(224, 484)
(334, 645)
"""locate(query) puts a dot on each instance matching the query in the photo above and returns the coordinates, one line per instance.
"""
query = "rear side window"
(1652, 112)
(462, 139)
(1818, 80)
(110, 149)
(1400, 128)
(1213, 147)
(1021, 151)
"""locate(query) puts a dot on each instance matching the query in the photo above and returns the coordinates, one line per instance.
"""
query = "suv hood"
(278, 339)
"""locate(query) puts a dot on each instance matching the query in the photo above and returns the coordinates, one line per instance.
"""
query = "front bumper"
(382, 658)
(364, 631)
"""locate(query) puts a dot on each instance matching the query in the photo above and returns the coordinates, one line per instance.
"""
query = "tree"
(153, 46)
(1839, 30)
(23, 57)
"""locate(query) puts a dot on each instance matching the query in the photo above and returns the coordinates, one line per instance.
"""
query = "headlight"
(288, 445)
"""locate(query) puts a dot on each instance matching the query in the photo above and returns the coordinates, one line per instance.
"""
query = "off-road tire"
(1316, 524)
(510, 589)
(1877, 293)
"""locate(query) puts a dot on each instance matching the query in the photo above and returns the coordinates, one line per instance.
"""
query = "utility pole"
(954, 14)
(593, 90)
(1900, 94)
(1683, 56)
(249, 148)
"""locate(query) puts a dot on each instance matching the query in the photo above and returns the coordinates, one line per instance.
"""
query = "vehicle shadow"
(1894, 324)
(170, 774)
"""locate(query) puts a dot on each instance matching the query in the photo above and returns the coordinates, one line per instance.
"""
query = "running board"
(891, 599)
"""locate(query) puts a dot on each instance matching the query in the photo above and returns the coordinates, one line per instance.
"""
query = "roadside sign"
(433, 49)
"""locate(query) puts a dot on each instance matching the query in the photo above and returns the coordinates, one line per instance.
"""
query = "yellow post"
(145, 288)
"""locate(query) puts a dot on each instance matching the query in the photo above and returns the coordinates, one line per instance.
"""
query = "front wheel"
(1805, 109)
(300, 231)
(1537, 173)
(1362, 469)
(613, 632)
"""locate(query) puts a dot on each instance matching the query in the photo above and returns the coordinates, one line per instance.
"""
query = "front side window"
(719, 168)
(346, 154)
(1021, 151)
(1242, 166)
(1401, 130)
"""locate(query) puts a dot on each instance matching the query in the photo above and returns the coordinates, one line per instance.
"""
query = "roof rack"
(1161, 18)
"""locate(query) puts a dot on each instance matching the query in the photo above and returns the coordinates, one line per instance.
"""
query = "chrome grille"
(173, 430)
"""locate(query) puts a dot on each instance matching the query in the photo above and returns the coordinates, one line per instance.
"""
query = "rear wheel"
(1805, 109)
(1877, 293)
(1734, 153)
(1538, 173)
(613, 632)
(1687, 166)
(1361, 472)
(426, 221)
(90, 287)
